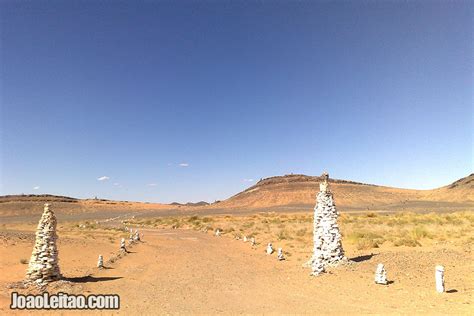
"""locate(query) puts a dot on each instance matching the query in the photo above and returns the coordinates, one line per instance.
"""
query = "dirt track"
(184, 271)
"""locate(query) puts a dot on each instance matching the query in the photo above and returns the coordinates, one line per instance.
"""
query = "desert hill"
(293, 192)
(298, 190)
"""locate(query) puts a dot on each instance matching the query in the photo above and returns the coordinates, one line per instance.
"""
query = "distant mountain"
(200, 203)
(300, 190)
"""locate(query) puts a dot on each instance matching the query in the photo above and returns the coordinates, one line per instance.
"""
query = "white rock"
(327, 246)
(269, 249)
(280, 254)
(43, 265)
(439, 277)
(381, 275)
(100, 262)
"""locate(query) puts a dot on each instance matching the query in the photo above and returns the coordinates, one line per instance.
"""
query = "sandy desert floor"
(185, 270)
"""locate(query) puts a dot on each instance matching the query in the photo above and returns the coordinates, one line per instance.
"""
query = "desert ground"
(181, 267)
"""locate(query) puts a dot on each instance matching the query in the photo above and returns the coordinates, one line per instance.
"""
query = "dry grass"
(362, 231)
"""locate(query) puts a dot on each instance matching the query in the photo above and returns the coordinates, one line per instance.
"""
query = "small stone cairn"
(439, 278)
(280, 254)
(217, 233)
(252, 241)
(269, 250)
(43, 267)
(381, 275)
(100, 262)
(122, 245)
(136, 236)
(327, 250)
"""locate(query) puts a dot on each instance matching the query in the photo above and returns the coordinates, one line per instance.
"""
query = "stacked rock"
(280, 254)
(122, 244)
(381, 275)
(100, 262)
(245, 239)
(218, 233)
(326, 235)
(43, 267)
(136, 236)
(252, 241)
(439, 277)
(269, 250)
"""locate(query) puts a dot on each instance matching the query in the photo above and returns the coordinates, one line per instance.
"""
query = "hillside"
(300, 191)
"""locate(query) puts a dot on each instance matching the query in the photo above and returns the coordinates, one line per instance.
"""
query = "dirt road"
(178, 271)
(185, 271)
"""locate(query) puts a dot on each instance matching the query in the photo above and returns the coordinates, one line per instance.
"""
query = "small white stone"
(269, 249)
(100, 262)
(439, 277)
(381, 275)
(280, 254)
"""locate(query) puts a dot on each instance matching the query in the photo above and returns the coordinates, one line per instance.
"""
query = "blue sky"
(196, 100)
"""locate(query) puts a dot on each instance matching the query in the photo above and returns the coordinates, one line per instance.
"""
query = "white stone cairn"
(381, 275)
(43, 266)
(218, 233)
(269, 249)
(245, 239)
(327, 248)
(136, 236)
(100, 262)
(252, 241)
(439, 277)
(122, 244)
(280, 254)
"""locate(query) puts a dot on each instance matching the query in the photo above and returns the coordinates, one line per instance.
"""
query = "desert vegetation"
(361, 231)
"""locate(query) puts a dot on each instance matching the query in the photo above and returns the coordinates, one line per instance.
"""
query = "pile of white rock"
(381, 275)
(100, 262)
(43, 266)
(327, 249)
(280, 256)
(122, 245)
(269, 249)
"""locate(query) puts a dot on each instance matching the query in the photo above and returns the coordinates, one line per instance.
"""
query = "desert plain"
(181, 267)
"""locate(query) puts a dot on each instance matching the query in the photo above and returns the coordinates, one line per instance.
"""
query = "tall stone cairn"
(43, 266)
(327, 250)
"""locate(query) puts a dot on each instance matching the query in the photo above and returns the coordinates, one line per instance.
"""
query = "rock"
(43, 265)
(269, 250)
(381, 275)
(100, 262)
(327, 246)
(439, 277)
(280, 254)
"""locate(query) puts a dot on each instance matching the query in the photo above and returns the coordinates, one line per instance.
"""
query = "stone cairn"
(100, 262)
(280, 254)
(327, 250)
(269, 250)
(218, 233)
(122, 245)
(245, 239)
(439, 277)
(136, 236)
(43, 266)
(252, 241)
(381, 275)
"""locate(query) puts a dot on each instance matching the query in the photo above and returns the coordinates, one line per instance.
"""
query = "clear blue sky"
(184, 101)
